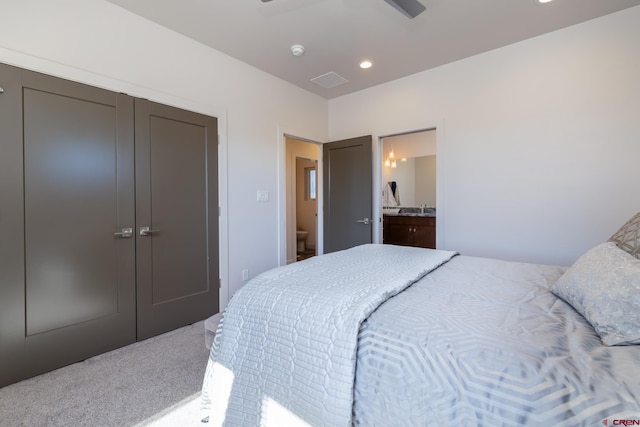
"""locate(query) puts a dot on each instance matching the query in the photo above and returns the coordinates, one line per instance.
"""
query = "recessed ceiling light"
(366, 64)
(544, 1)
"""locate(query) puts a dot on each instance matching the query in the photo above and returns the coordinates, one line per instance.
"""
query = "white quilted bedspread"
(285, 350)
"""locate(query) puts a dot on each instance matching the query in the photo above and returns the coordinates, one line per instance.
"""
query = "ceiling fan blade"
(409, 8)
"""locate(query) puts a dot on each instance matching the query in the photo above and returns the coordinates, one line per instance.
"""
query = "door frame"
(439, 127)
(283, 217)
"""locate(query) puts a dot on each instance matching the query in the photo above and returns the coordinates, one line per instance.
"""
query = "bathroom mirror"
(409, 162)
(415, 180)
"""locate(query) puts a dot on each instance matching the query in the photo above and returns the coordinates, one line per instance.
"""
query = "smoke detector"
(297, 50)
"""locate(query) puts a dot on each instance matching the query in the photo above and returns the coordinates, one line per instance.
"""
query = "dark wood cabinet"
(417, 231)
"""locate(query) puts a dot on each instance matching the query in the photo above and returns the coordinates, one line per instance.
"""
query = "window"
(310, 184)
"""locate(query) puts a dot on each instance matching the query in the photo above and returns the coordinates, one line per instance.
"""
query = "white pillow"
(604, 286)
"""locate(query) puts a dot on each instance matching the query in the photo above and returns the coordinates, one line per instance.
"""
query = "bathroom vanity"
(410, 227)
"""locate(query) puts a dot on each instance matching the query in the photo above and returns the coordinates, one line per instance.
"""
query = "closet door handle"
(146, 231)
(125, 233)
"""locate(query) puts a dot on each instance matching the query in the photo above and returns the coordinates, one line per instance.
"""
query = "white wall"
(538, 142)
(98, 43)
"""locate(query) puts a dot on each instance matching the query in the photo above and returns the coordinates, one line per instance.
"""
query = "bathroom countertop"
(428, 215)
(428, 212)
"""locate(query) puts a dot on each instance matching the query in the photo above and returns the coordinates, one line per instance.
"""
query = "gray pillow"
(628, 237)
(604, 286)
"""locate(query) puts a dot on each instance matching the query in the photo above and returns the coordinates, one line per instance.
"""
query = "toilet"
(301, 237)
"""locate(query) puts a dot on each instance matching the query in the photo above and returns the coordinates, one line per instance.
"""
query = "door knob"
(364, 221)
(125, 233)
(146, 231)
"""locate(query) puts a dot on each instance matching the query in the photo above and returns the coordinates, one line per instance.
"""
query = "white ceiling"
(338, 34)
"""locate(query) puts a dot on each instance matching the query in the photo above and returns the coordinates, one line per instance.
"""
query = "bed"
(382, 335)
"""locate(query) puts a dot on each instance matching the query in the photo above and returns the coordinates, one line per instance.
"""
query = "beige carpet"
(155, 382)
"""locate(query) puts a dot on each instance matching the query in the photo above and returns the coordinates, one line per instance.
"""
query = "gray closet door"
(78, 185)
(177, 202)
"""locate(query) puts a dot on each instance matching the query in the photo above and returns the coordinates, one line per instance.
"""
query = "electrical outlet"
(245, 275)
(262, 196)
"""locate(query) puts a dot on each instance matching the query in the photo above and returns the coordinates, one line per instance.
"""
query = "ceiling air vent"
(329, 80)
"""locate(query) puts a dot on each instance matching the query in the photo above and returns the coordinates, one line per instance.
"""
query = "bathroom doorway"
(302, 196)
(306, 207)
(409, 185)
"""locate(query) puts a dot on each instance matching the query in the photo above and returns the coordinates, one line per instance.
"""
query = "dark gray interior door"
(176, 217)
(78, 296)
(348, 179)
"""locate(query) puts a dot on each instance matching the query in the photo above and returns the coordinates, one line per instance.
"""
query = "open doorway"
(302, 199)
(306, 216)
(408, 184)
